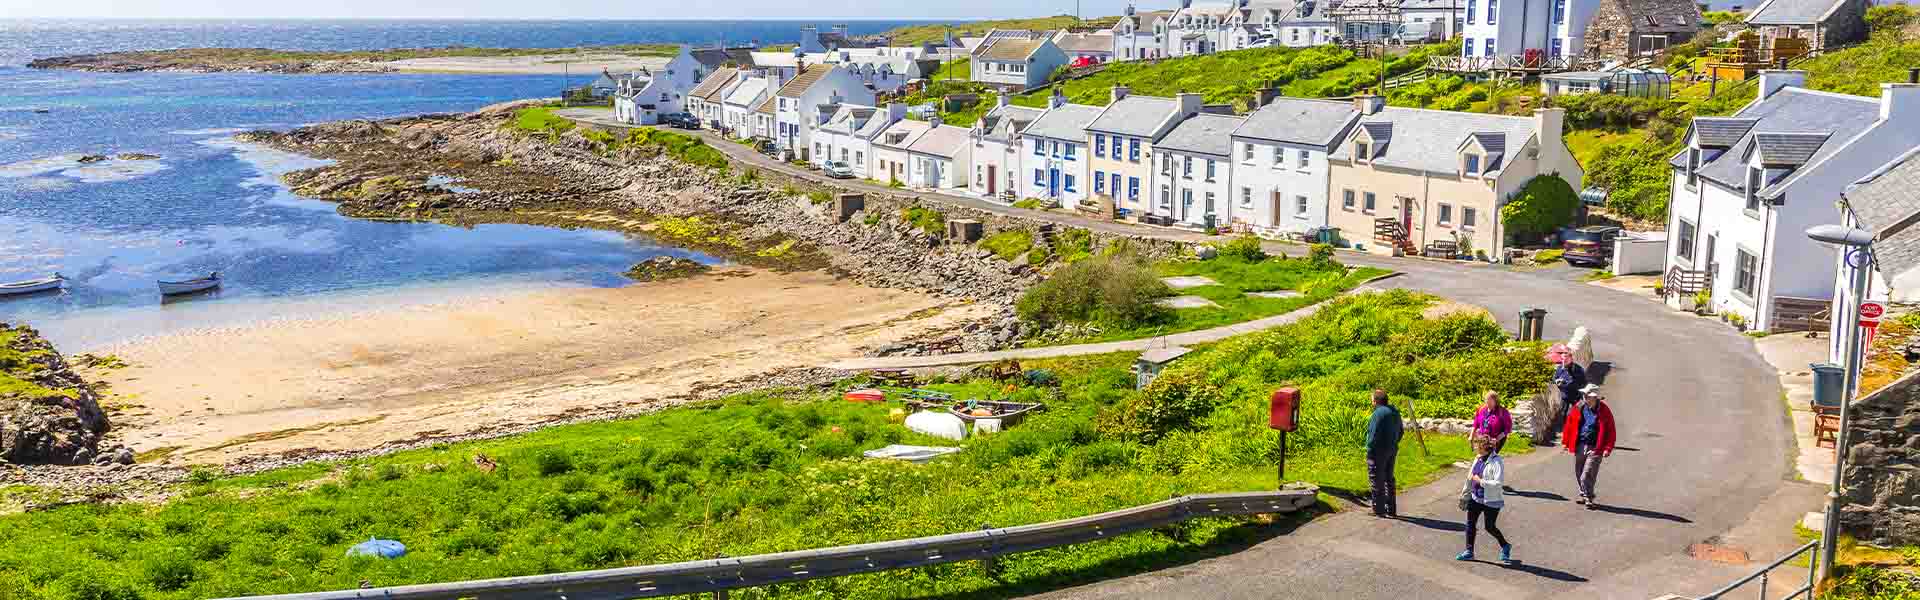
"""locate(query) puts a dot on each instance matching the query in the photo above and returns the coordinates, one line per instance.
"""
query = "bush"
(1447, 336)
(1010, 244)
(1117, 291)
(1549, 256)
(1246, 247)
(1891, 19)
(925, 219)
(1545, 204)
(1321, 256)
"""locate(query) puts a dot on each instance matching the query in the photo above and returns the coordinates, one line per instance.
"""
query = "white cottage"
(805, 102)
(941, 158)
(1201, 150)
(892, 152)
(707, 102)
(1280, 163)
(641, 97)
(1140, 36)
(1016, 64)
(848, 135)
(1053, 166)
(996, 150)
(1497, 29)
(738, 107)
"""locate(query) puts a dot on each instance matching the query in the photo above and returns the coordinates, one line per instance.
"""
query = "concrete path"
(1704, 456)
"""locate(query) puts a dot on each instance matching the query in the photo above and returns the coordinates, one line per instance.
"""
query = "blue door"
(1053, 183)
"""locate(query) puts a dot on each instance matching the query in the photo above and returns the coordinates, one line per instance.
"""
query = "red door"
(993, 179)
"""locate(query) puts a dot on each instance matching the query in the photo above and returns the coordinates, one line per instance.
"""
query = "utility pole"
(1856, 247)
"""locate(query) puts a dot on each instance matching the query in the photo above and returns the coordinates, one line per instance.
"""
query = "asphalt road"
(1703, 444)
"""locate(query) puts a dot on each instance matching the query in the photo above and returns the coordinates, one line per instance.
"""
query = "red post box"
(1284, 411)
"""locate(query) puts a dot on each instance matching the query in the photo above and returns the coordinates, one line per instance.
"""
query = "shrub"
(168, 572)
(1546, 203)
(925, 219)
(1030, 204)
(1074, 244)
(1118, 290)
(1246, 247)
(1039, 255)
(1321, 256)
(553, 462)
(1549, 256)
(1451, 335)
(1009, 244)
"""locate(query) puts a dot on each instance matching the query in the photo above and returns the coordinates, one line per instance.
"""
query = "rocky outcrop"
(48, 414)
(1880, 502)
(662, 268)
(202, 61)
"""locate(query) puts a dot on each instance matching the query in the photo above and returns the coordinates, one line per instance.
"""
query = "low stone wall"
(1880, 502)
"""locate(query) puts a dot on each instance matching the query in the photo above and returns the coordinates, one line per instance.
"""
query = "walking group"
(1586, 431)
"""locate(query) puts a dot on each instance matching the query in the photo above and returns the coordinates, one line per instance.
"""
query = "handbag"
(1465, 497)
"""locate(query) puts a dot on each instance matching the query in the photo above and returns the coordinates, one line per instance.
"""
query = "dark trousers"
(1567, 400)
(1380, 474)
(1474, 510)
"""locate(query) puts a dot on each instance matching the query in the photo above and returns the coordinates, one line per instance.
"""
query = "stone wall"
(1610, 31)
(1880, 502)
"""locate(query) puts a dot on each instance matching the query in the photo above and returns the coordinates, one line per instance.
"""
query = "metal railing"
(1805, 590)
(721, 574)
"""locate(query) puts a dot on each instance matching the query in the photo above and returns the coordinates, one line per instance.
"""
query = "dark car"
(1590, 246)
(680, 121)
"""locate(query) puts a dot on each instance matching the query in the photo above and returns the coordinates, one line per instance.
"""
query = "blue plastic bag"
(378, 548)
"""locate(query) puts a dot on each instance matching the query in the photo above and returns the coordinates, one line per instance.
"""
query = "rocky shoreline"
(163, 61)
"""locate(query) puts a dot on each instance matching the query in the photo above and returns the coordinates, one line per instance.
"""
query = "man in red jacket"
(1588, 435)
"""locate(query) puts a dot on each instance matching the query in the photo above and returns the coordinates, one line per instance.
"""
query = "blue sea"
(211, 204)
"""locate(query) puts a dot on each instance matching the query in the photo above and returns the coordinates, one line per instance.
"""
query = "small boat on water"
(175, 288)
(33, 286)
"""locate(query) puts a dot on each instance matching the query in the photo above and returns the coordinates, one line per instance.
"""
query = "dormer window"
(1754, 177)
(1693, 167)
(1473, 164)
(1362, 151)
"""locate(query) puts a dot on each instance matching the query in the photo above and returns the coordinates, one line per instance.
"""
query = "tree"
(1546, 203)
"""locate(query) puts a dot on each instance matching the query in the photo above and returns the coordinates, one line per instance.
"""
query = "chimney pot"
(1119, 92)
(1775, 80)
(1899, 99)
(1368, 104)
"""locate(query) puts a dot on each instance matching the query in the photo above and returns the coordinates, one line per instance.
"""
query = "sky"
(562, 9)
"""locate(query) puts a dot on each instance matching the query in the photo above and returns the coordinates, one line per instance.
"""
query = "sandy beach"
(351, 381)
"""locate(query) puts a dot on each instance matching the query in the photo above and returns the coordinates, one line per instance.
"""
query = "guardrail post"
(719, 594)
(992, 561)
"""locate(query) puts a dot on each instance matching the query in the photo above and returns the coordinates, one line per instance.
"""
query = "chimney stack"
(1190, 104)
(1000, 100)
(1775, 80)
(1265, 96)
(1550, 123)
(896, 111)
(1369, 104)
(1900, 99)
(1119, 92)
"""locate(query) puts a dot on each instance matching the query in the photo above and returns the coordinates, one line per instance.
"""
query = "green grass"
(913, 35)
(1030, 204)
(1236, 277)
(955, 70)
(925, 219)
(540, 119)
(1009, 244)
(749, 474)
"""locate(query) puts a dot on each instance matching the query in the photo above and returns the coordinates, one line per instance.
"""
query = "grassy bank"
(914, 35)
(780, 471)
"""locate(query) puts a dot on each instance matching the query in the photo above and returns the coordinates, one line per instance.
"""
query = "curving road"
(1704, 445)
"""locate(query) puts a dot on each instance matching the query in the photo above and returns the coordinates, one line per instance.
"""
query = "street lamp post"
(1856, 246)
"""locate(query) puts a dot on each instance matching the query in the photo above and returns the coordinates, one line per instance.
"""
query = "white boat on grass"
(33, 286)
(175, 288)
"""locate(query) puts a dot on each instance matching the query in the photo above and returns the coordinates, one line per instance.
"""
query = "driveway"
(1704, 446)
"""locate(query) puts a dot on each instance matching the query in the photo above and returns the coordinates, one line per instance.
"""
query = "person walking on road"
(1569, 378)
(1588, 435)
(1482, 497)
(1383, 447)
(1492, 421)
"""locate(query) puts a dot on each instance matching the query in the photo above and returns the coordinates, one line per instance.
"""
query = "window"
(1099, 182)
(1115, 154)
(1039, 148)
(1246, 154)
(843, 155)
(859, 158)
(1346, 199)
(1302, 161)
(1554, 50)
(1246, 197)
(1070, 150)
(1040, 178)
(1489, 47)
(1470, 7)
(1166, 197)
(817, 150)
(1693, 167)
(1746, 272)
(1473, 164)
(1133, 188)
(1683, 249)
(1559, 11)
(1362, 151)
(1279, 156)
(1209, 169)
(1209, 203)
(1186, 199)
(1133, 150)
(1115, 188)
(1300, 206)
(1467, 218)
(1446, 215)
(1056, 149)
(1369, 202)
(1493, 10)
(1099, 144)
(1466, 49)
(1066, 182)
(1753, 189)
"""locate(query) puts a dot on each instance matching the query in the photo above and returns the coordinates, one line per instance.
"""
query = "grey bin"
(1829, 384)
(1533, 323)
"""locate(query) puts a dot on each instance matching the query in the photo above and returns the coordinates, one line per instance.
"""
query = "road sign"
(1870, 312)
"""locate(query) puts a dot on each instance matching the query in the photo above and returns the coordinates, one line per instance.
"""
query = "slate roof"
(715, 58)
(1381, 132)
(1138, 116)
(1299, 121)
(1203, 134)
(1085, 42)
(1429, 140)
(913, 130)
(748, 91)
(1662, 15)
(1792, 12)
(1068, 122)
(945, 141)
(800, 83)
(1787, 149)
(766, 106)
(709, 88)
(873, 125)
(1887, 203)
(1003, 123)
(1790, 109)
(1010, 49)
(1721, 132)
(848, 119)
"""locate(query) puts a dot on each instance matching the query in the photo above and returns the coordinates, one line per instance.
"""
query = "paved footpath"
(1704, 456)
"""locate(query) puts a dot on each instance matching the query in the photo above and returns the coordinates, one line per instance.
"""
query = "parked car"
(766, 147)
(680, 121)
(1590, 246)
(838, 170)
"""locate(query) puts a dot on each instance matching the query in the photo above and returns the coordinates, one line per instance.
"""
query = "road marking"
(1444, 572)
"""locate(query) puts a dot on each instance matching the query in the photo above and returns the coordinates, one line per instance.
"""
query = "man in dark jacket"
(1570, 379)
(1383, 446)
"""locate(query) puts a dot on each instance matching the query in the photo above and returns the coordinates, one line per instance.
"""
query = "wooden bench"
(1826, 425)
(1441, 249)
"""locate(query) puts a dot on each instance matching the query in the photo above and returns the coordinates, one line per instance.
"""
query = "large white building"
(1140, 35)
(1280, 173)
(997, 149)
(1747, 187)
(804, 103)
(848, 135)
(1507, 29)
(1051, 163)
(1016, 63)
(892, 152)
(642, 97)
(940, 159)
